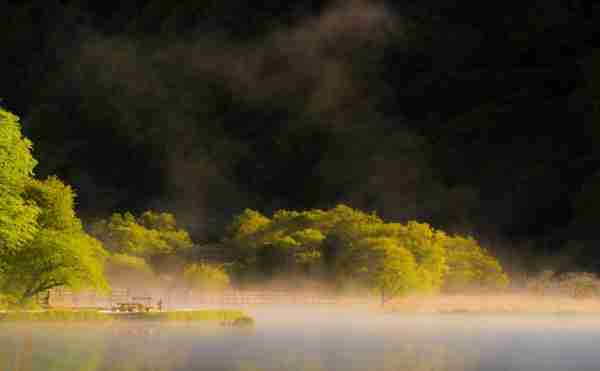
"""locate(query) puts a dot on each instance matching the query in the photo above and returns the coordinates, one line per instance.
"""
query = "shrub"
(206, 277)
(580, 284)
(191, 316)
(541, 283)
(243, 322)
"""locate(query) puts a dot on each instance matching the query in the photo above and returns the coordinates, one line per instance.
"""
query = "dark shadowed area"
(478, 118)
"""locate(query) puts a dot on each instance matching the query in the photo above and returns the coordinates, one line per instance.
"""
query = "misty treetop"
(469, 263)
(346, 244)
(151, 235)
(127, 271)
(205, 277)
(42, 241)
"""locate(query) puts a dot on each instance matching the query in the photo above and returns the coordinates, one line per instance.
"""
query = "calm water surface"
(313, 339)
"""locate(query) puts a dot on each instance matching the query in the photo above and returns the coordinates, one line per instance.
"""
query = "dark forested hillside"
(481, 117)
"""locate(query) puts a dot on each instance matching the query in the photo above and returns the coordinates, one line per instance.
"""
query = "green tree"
(56, 201)
(423, 242)
(385, 266)
(427, 245)
(308, 257)
(247, 224)
(61, 253)
(152, 236)
(42, 242)
(126, 271)
(206, 277)
(18, 216)
(343, 242)
(471, 266)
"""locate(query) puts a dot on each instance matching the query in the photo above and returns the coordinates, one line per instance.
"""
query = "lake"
(309, 338)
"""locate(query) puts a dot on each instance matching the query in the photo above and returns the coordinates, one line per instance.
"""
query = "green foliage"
(18, 216)
(16, 161)
(191, 315)
(4, 301)
(56, 201)
(247, 224)
(158, 221)
(472, 266)
(423, 244)
(42, 242)
(126, 270)
(347, 245)
(386, 266)
(206, 277)
(429, 248)
(128, 262)
(152, 235)
(56, 258)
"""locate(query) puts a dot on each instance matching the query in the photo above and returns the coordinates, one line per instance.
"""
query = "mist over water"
(298, 338)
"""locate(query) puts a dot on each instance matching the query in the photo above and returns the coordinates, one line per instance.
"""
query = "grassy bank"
(55, 316)
(232, 317)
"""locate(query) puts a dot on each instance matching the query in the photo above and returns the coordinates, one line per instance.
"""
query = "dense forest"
(478, 118)
(44, 245)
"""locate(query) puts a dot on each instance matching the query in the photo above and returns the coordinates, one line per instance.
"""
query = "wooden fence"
(184, 298)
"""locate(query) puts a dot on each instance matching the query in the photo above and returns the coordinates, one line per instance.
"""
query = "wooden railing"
(180, 297)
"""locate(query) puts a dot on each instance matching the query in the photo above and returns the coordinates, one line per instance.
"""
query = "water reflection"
(329, 342)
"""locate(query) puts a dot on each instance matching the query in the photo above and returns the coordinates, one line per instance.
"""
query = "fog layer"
(287, 338)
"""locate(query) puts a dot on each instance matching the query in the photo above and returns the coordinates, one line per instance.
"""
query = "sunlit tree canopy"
(149, 236)
(205, 277)
(42, 242)
(346, 244)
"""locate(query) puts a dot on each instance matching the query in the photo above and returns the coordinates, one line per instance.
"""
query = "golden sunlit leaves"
(348, 244)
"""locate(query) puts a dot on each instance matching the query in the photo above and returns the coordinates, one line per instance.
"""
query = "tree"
(346, 244)
(18, 216)
(56, 201)
(206, 277)
(427, 245)
(308, 257)
(385, 266)
(290, 242)
(420, 240)
(42, 242)
(152, 236)
(246, 224)
(126, 270)
(56, 259)
(470, 266)
(61, 253)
